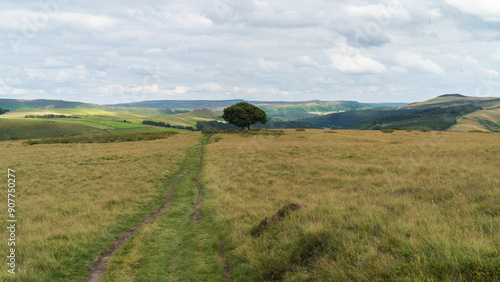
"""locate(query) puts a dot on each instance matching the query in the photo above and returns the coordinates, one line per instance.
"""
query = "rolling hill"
(187, 113)
(17, 104)
(448, 100)
(274, 109)
(452, 112)
(487, 119)
(14, 125)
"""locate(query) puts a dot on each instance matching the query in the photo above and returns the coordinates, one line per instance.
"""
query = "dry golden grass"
(72, 199)
(374, 205)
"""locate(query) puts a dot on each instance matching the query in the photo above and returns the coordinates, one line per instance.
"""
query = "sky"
(121, 51)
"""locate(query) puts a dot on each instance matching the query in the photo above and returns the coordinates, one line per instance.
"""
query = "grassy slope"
(187, 119)
(485, 120)
(31, 129)
(73, 200)
(375, 206)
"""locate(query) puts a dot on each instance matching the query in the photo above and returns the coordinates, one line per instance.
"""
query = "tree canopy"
(243, 115)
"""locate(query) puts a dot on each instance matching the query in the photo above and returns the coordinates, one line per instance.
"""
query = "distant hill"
(350, 118)
(383, 105)
(15, 104)
(274, 109)
(430, 119)
(487, 119)
(180, 104)
(448, 100)
(281, 114)
(454, 112)
(291, 111)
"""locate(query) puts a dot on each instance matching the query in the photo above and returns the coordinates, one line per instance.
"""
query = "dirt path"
(197, 216)
(225, 263)
(100, 265)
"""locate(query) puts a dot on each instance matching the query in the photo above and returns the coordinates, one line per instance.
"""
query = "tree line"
(50, 116)
(168, 125)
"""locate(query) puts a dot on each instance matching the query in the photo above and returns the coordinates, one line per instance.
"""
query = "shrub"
(104, 138)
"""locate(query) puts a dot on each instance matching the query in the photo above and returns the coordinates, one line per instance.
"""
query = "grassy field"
(295, 206)
(373, 206)
(74, 199)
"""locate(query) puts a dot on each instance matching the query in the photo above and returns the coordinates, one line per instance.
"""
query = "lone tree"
(243, 115)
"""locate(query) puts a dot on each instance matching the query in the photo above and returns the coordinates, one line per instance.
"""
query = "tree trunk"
(249, 127)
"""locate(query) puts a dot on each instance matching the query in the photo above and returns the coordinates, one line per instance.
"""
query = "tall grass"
(74, 199)
(373, 206)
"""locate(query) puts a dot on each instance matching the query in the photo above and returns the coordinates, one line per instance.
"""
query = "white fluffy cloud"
(348, 60)
(417, 62)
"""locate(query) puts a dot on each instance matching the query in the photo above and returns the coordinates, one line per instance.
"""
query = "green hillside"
(350, 118)
(14, 125)
(487, 119)
(429, 119)
(483, 120)
(295, 111)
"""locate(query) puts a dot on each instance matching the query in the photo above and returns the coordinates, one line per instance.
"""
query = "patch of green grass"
(174, 247)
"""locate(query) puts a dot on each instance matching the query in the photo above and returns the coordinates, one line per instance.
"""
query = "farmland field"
(298, 205)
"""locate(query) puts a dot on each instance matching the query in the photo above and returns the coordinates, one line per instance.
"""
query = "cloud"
(55, 63)
(349, 60)
(266, 65)
(485, 9)
(304, 62)
(153, 52)
(496, 55)
(416, 62)
(122, 50)
(83, 21)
